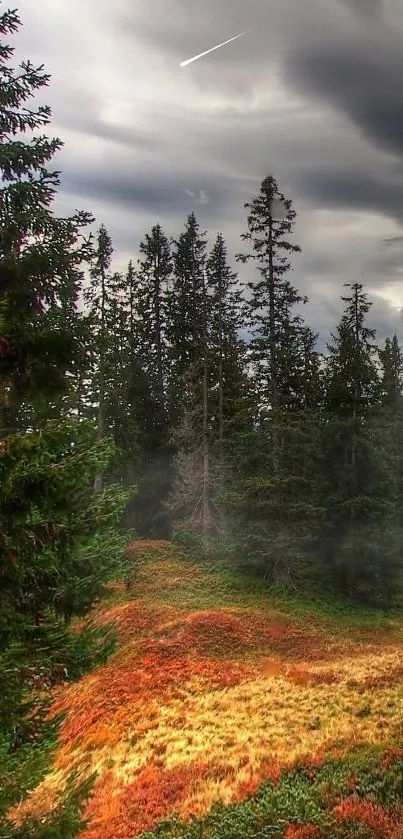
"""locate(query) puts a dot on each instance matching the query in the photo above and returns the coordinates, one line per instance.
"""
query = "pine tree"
(213, 372)
(359, 537)
(273, 492)
(155, 271)
(56, 538)
(98, 298)
(40, 255)
(391, 417)
(391, 357)
(185, 322)
(191, 499)
(225, 348)
(228, 385)
(186, 334)
(274, 326)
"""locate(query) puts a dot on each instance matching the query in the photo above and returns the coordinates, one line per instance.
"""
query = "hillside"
(217, 688)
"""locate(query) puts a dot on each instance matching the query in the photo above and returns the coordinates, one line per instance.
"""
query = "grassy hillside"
(229, 713)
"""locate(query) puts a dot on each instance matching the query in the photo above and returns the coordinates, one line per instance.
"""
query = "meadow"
(229, 711)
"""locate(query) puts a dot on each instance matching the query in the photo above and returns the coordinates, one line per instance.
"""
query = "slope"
(216, 688)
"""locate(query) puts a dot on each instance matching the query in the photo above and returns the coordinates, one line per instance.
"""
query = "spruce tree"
(391, 420)
(225, 348)
(359, 535)
(56, 540)
(185, 321)
(276, 502)
(98, 298)
(228, 385)
(186, 334)
(273, 323)
(211, 358)
(41, 255)
(153, 274)
(191, 498)
(391, 357)
(154, 271)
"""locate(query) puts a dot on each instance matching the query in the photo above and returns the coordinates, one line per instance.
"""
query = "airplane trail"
(201, 54)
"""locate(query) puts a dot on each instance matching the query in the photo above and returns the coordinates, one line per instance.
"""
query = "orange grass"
(204, 705)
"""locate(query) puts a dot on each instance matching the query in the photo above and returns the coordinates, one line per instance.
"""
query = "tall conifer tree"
(360, 540)
(277, 501)
(56, 541)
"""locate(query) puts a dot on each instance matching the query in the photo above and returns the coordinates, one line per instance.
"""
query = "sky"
(312, 94)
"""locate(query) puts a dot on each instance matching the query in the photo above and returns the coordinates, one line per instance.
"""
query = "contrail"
(195, 57)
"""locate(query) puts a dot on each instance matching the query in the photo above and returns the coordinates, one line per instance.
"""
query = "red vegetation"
(138, 807)
(392, 677)
(269, 770)
(299, 674)
(104, 703)
(133, 619)
(133, 709)
(301, 831)
(366, 813)
(390, 756)
(218, 632)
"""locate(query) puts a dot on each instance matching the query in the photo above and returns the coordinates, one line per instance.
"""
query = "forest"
(183, 403)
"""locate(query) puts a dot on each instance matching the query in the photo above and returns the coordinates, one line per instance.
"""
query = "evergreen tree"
(214, 382)
(391, 416)
(229, 391)
(98, 297)
(191, 499)
(226, 351)
(107, 392)
(274, 326)
(360, 537)
(185, 320)
(155, 271)
(391, 357)
(186, 334)
(56, 539)
(273, 491)
(40, 255)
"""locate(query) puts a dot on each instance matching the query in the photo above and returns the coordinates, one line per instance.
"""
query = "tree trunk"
(273, 355)
(220, 385)
(158, 337)
(206, 459)
(206, 452)
(99, 480)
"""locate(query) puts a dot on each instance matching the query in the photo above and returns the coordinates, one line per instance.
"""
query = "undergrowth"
(27, 750)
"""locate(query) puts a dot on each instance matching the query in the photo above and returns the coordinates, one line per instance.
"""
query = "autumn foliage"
(200, 705)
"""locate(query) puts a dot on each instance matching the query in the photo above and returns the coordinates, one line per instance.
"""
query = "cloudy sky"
(313, 94)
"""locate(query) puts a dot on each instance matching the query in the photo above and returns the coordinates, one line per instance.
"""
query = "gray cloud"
(369, 192)
(368, 9)
(361, 76)
(391, 241)
(312, 94)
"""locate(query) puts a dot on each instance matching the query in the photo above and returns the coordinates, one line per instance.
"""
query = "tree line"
(236, 431)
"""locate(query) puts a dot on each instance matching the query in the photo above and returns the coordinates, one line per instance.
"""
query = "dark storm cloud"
(361, 76)
(366, 191)
(170, 195)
